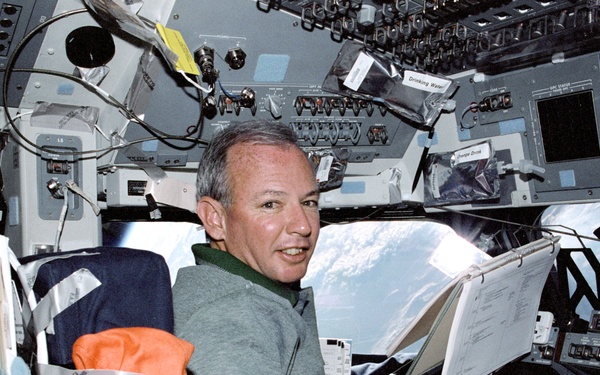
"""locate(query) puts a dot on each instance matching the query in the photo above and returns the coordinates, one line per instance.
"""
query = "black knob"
(235, 58)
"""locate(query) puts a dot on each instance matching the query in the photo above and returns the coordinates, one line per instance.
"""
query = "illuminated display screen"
(568, 126)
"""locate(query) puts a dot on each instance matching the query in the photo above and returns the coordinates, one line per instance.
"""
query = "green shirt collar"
(231, 264)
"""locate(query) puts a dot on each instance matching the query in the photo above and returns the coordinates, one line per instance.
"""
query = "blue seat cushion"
(135, 292)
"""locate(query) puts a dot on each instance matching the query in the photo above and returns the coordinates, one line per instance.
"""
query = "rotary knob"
(273, 105)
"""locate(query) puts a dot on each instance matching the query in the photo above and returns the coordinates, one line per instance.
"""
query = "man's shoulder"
(207, 277)
(203, 288)
(205, 282)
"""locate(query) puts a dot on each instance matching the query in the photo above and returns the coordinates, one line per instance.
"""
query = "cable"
(160, 135)
(15, 117)
(71, 185)
(103, 151)
(196, 85)
(366, 217)
(231, 96)
(199, 125)
(63, 215)
(106, 150)
(102, 93)
(109, 98)
(11, 60)
(471, 107)
(541, 228)
(101, 132)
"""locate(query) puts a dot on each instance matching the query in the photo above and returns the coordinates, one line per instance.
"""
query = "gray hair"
(213, 179)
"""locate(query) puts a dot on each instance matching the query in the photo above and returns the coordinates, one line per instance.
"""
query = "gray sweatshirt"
(242, 322)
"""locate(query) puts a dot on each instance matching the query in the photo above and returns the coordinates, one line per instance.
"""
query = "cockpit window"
(583, 220)
(371, 279)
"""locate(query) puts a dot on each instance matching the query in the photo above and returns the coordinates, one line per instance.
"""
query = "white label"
(543, 327)
(425, 82)
(359, 71)
(324, 167)
(477, 152)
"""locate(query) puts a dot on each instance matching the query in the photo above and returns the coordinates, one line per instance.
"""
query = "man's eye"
(269, 205)
(311, 203)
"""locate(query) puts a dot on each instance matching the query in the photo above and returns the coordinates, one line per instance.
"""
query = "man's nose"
(299, 221)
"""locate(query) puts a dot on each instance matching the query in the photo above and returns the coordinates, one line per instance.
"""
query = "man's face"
(273, 222)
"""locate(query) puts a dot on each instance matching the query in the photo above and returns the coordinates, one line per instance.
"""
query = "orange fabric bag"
(147, 351)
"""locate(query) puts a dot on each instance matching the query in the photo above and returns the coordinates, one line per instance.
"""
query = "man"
(240, 305)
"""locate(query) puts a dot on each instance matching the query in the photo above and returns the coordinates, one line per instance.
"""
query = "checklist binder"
(490, 305)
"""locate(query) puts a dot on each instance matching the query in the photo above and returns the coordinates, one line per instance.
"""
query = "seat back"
(92, 290)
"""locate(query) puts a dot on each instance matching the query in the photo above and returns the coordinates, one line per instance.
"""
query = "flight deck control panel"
(532, 99)
(526, 74)
(552, 108)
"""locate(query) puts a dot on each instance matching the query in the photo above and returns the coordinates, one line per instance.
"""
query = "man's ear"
(212, 214)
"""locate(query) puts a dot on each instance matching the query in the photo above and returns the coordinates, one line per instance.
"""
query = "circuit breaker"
(54, 168)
